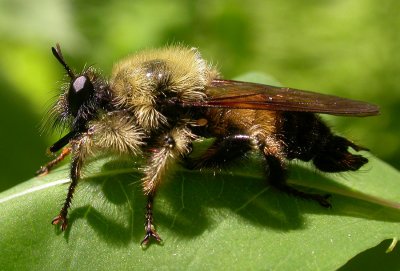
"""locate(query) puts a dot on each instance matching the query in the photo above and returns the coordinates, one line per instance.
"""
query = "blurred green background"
(343, 47)
(346, 48)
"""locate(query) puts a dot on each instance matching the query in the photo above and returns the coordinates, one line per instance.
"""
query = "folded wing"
(245, 95)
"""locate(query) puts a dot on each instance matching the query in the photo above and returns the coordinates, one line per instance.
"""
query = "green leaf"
(227, 220)
(218, 221)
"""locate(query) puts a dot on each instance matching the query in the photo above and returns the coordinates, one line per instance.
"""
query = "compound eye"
(80, 83)
(80, 91)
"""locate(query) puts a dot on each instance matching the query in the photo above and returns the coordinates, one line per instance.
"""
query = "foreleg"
(75, 175)
(78, 154)
(46, 168)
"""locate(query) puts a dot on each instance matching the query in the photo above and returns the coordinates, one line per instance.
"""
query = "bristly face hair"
(82, 98)
(158, 102)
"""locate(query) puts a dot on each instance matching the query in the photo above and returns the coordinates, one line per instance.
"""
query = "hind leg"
(277, 173)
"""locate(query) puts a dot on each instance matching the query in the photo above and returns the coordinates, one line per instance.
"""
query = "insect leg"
(46, 168)
(75, 174)
(168, 149)
(221, 153)
(277, 173)
(277, 178)
(149, 227)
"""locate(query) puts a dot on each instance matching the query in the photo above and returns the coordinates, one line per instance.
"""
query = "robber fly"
(158, 102)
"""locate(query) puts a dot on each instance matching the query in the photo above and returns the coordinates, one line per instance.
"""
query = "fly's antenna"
(57, 53)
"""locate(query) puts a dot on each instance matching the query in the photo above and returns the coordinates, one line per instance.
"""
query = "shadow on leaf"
(190, 203)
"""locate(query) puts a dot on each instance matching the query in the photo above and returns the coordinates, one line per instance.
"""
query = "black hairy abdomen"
(304, 135)
(307, 138)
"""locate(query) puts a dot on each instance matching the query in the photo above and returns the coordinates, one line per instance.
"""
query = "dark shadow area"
(107, 227)
(188, 195)
(22, 150)
(375, 259)
(183, 204)
(343, 205)
(118, 217)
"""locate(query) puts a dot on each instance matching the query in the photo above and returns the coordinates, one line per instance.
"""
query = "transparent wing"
(244, 95)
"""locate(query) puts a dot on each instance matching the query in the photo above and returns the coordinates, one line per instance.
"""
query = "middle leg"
(168, 149)
(221, 153)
